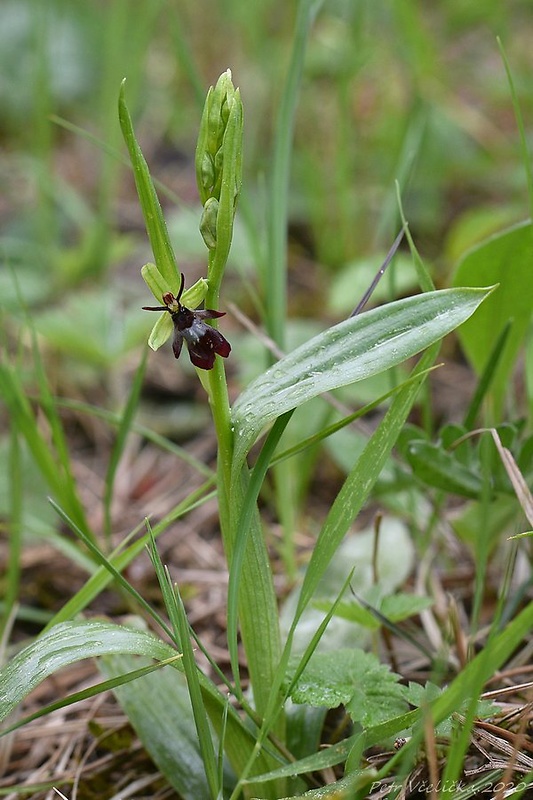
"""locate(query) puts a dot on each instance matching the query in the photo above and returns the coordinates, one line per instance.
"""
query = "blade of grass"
(180, 624)
(222, 747)
(337, 753)
(13, 567)
(359, 482)
(102, 577)
(275, 274)
(274, 271)
(424, 278)
(125, 42)
(114, 418)
(47, 403)
(526, 156)
(315, 639)
(52, 468)
(487, 376)
(124, 427)
(115, 154)
(337, 426)
(106, 562)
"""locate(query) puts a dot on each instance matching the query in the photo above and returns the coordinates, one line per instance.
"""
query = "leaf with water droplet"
(353, 350)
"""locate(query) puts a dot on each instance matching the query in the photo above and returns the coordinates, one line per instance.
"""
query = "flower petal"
(195, 294)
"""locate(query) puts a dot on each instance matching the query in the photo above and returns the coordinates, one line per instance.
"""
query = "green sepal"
(195, 294)
(191, 297)
(156, 283)
(161, 331)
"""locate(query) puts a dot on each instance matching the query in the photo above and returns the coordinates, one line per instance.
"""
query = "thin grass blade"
(178, 617)
(124, 427)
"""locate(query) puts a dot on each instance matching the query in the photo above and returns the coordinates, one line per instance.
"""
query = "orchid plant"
(257, 748)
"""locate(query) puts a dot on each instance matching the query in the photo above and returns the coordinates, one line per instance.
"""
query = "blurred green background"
(406, 90)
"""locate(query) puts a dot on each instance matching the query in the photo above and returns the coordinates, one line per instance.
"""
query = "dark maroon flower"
(203, 341)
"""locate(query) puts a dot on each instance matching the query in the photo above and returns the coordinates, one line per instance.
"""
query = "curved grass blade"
(124, 427)
(487, 376)
(180, 624)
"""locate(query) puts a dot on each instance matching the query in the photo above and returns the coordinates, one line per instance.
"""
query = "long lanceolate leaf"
(69, 642)
(65, 644)
(359, 483)
(350, 351)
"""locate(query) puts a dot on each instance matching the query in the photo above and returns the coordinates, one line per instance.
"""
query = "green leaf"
(369, 690)
(65, 644)
(505, 259)
(151, 208)
(396, 608)
(437, 467)
(402, 606)
(350, 351)
(160, 712)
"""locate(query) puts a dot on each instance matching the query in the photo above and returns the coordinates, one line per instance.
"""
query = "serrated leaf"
(348, 352)
(368, 689)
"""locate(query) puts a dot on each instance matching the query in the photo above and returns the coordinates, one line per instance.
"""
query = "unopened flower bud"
(208, 223)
